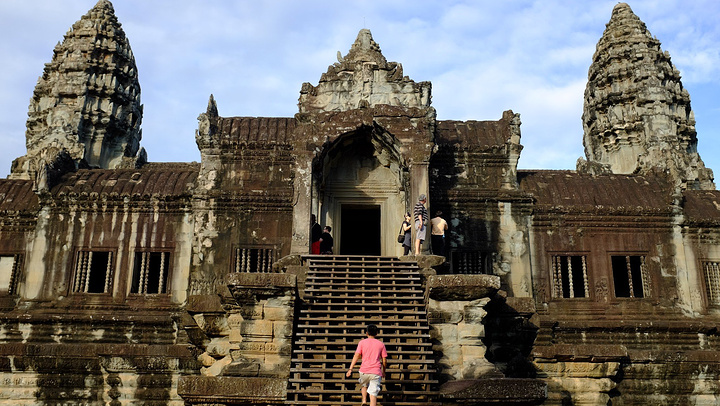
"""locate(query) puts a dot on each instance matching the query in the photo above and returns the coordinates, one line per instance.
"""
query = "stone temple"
(128, 282)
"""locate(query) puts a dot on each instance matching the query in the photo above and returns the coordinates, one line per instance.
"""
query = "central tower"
(368, 132)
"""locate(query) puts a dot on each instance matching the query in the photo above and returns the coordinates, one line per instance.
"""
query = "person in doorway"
(373, 366)
(315, 233)
(407, 231)
(326, 241)
(438, 227)
(421, 217)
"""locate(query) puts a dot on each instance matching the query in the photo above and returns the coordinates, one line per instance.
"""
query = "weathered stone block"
(254, 330)
(473, 352)
(445, 333)
(235, 336)
(232, 390)
(468, 333)
(495, 391)
(462, 287)
(279, 347)
(220, 347)
(277, 312)
(474, 311)
(216, 368)
(251, 347)
(234, 320)
(211, 323)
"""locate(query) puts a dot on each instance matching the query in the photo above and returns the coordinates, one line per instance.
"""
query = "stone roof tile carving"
(474, 134)
(155, 180)
(702, 207)
(637, 115)
(583, 192)
(236, 131)
(17, 196)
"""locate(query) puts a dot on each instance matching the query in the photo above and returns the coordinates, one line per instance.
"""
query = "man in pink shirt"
(374, 362)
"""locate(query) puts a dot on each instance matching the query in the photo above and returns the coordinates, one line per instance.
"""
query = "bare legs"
(373, 399)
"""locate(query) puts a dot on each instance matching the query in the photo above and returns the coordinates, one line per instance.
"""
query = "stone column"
(420, 184)
(302, 205)
(455, 312)
(248, 350)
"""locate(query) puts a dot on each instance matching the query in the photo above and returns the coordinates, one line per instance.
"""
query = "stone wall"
(245, 340)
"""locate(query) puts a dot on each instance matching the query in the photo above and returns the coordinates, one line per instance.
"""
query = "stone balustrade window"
(93, 272)
(712, 282)
(471, 262)
(630, 276)
(254, 259)
(570, 278)
(10, 266)
(150, 272)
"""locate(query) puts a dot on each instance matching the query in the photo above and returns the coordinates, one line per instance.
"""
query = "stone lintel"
(251, 287)
(198, 390)
(462, 287)
(494, 391)
(582, 352)
(204, 304)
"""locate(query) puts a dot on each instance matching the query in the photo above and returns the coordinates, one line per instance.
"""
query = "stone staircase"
(343, 294)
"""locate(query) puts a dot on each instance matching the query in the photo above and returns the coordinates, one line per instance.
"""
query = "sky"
(482, 57)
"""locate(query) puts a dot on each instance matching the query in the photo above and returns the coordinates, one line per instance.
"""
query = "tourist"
(326, 241)
(373, 366)
(407, 232)
(315, 233)
(421, 218)
(438, 225)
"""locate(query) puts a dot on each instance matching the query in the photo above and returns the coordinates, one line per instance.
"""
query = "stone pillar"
(302, 205)
(420, 184)
(456, 309)
(455, 312)
(247, 358)
(34, 279)
(513, 258)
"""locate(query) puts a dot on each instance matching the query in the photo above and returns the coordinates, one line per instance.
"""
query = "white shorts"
(372, 382)
(421, 230)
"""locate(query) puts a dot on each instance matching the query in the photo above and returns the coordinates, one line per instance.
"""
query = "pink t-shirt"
(372, 352)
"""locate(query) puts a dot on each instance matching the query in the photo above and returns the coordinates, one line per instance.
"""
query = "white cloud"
(483, 57)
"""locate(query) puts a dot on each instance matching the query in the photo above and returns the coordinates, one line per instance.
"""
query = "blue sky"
(482, 57)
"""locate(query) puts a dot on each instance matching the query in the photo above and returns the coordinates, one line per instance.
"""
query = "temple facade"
(124, 281)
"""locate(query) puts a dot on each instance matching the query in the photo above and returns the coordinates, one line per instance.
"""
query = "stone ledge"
(494, 391)
(252, 287)
(261, 280)
(223, 390)
(581, 352)
(462, 287)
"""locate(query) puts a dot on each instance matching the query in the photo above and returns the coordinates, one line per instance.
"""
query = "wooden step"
(343, 294)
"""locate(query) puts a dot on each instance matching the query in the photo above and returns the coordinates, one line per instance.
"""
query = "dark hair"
(328, 228)
(438, 213)
(371, 330)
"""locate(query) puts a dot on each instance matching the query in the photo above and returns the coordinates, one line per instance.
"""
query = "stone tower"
(637, 116)
(85, 110)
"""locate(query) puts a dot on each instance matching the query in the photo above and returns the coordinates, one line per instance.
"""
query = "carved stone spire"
(87, 101)
(363, 78)
(637, 115)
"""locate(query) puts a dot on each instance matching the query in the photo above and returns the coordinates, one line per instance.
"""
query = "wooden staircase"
(343, 294)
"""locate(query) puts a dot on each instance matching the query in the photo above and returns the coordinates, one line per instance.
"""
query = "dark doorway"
(360, 228)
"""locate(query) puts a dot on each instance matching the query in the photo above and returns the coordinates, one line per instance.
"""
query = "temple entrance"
(360, 183)
(360, 226)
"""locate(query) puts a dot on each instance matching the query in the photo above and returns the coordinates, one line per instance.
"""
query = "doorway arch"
(360, 181)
